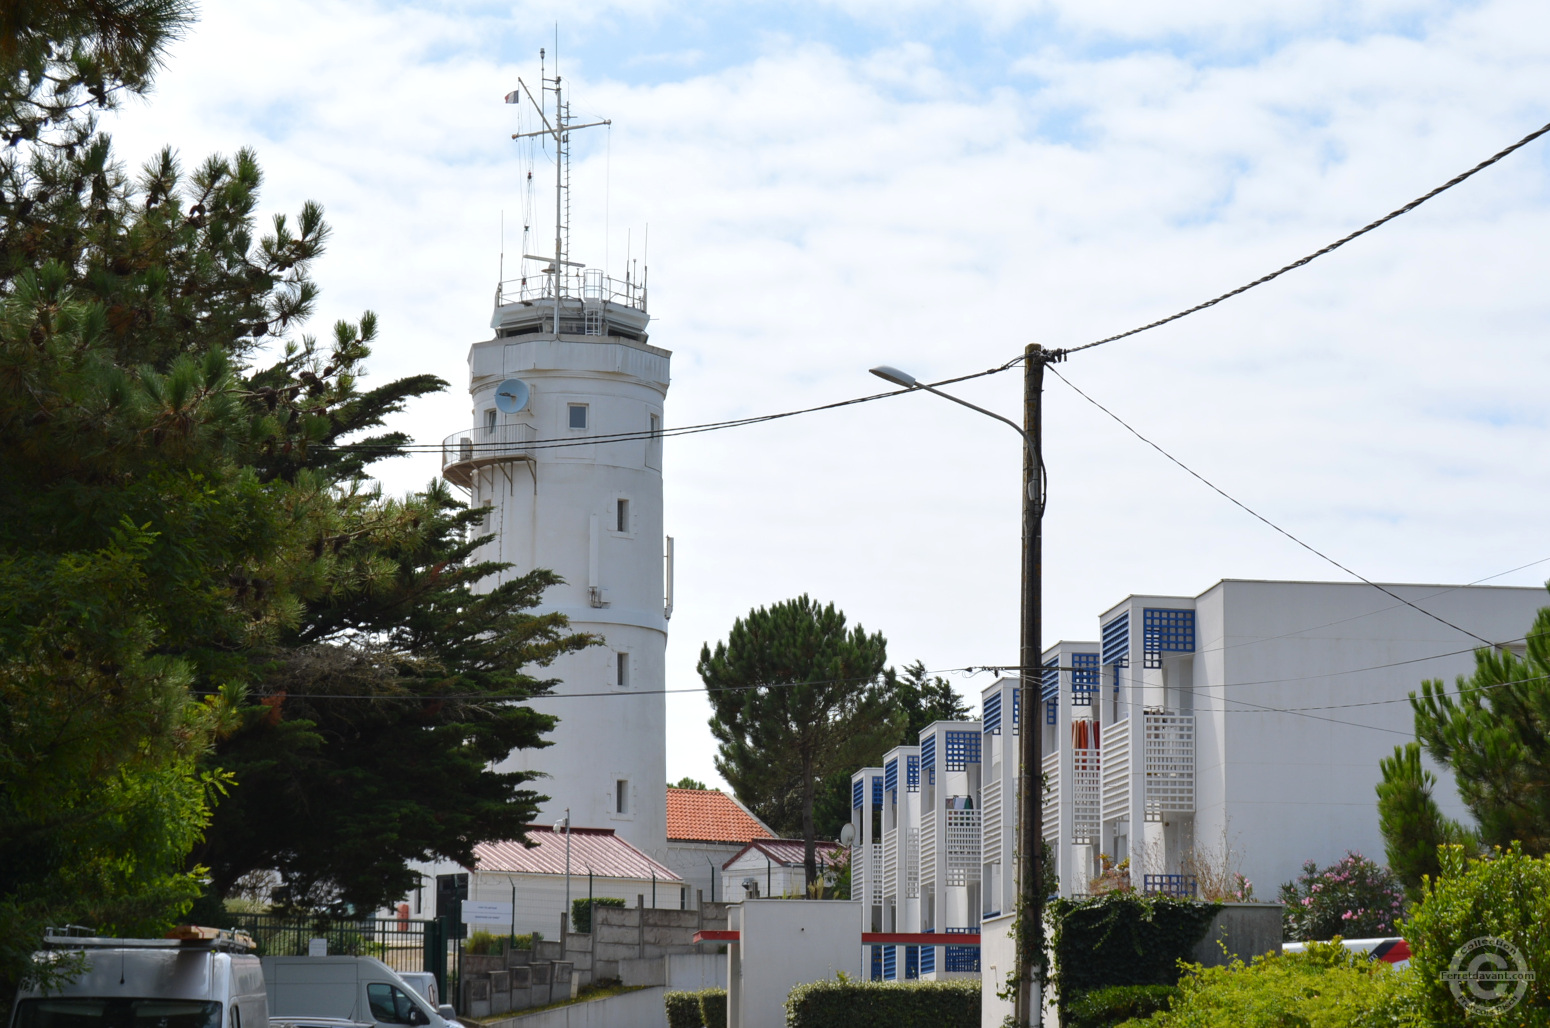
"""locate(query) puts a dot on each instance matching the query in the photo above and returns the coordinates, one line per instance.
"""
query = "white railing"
(589, 285)
(472, 447)
(912, 863)
(1052, 796)
(962, 842)
(1114, 801)
(1170, 763)
(1086, 789)
(874, 874)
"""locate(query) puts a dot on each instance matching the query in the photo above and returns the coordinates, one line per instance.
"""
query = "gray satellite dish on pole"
(511, 396)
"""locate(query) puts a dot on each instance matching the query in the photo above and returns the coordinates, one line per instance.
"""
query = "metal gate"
(400, 943)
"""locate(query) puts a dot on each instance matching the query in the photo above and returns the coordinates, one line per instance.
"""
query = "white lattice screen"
(1170, 763)
(1085, 795)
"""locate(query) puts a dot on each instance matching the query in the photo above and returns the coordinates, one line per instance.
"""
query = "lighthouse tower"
(565, 452)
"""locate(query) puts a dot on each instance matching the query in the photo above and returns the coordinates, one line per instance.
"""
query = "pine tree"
(797, 697)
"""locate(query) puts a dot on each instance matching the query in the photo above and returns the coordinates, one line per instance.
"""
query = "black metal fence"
(400, 943)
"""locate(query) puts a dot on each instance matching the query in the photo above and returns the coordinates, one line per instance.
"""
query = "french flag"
(515, 96)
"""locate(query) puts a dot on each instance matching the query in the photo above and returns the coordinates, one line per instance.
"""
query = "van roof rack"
(230, 940)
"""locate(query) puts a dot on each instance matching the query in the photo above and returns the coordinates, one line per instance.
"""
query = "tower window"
(622, 669)
(622, 796)
(578, 415)
(489, 421)
(654, 442)
(622, 515)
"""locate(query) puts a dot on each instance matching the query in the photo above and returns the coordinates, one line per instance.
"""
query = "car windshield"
(87, 1012)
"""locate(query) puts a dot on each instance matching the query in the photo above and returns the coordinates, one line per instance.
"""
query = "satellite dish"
(511, 396)
(847, 834)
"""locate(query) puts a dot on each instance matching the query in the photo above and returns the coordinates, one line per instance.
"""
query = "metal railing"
(472, 447)
(589, 285)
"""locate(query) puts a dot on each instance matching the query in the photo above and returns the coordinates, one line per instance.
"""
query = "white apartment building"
(1242, 726)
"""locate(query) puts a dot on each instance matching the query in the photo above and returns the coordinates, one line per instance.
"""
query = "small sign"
(317, 947)
(486, 913)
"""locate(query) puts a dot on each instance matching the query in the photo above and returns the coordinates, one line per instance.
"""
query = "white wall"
(540, 898)
(688, 861)
(785, 943)
(998, 956)
(644, 1008)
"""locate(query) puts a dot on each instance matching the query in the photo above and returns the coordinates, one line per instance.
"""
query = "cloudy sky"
(834, 185)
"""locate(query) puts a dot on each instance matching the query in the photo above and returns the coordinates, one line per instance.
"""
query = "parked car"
(1394, 950)
(424, 983)
(362, 989)
(201, 978)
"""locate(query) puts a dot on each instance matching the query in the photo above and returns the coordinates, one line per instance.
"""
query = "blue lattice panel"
(927, 960)
(1085, 678)
(960, 750)
(928, 754)
(891, 775)
(1182, 886)
(912, 962)
(993, 714)
(912, 772)
(857, 793)
(877, 963)
(961, 958)
(890, 963)
(1116, 641)
(1050, 679)
(877, 791)
(1164, 630)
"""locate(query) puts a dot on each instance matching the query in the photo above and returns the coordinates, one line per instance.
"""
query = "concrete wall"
(1240, 931)
(998, 955)
(784, 944)
(643, 1008)
(699, 865)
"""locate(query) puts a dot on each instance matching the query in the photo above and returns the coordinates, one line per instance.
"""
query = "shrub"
(851, 1004)
(1121, 938)
(481, 943)
(581, 911)
(1326, 987)
(713, 1007)
(1104, 1007)
(1506, 895)
(683, 1010)
(1354, 898)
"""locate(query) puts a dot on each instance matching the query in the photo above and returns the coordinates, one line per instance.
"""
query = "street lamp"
(1030, 896)
(563, 825)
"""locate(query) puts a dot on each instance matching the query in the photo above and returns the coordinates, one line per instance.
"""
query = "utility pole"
(1030, 781)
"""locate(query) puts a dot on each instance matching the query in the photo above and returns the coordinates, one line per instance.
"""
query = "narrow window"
(484, 517)
(489, 421)
(621, 796)
(622, 669)
(622, 516)
(654, 441)
(578, 415)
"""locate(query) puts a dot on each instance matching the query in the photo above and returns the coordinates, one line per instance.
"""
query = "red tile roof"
(596, 849)
(788, 852)
(707, 815)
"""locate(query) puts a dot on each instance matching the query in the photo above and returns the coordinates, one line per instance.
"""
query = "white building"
(1240, 728)
(775, 869)
(705, 829)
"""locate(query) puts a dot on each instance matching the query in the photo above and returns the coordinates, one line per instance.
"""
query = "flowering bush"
(1355, 898)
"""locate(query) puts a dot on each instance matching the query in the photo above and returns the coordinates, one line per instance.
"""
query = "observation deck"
(463, 453)
(590, 304)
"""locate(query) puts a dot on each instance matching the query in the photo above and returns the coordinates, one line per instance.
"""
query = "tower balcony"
(464, 453)
(590, 304)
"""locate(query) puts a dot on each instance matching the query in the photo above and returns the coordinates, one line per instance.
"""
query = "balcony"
(1167, 757)
(463, 453)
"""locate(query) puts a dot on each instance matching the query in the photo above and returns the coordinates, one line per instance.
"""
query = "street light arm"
(988, 413)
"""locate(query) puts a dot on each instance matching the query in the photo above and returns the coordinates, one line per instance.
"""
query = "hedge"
(828, 1004)
(1120, 938)
(581, 912)
(704, 1009)
(1105, 1007)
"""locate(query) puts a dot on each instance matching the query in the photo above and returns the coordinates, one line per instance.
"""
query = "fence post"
(436, 955)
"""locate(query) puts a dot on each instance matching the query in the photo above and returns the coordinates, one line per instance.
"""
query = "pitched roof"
(597, 850)
(707, 815)
(787, 852)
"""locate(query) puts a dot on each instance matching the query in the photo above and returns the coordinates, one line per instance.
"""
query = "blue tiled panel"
(1017, 696)
(857, 793)
(912, 772)
(928, 754)
(1165, 630)
(912, 962)
(891, 775)
(877, 963)
(961, 958)
(962, 749)
(877, 791)
(993, 714)
(1052, 712)
(1085, 677)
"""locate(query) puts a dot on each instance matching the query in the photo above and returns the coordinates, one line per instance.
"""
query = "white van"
(204, 981)
(347, 988)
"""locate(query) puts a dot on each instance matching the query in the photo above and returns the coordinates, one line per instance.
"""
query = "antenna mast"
(558, 130)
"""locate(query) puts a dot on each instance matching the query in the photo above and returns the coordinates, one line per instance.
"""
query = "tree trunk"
(809, 848)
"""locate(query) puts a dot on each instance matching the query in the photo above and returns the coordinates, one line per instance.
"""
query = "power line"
(1407, 208)
(1249, 510)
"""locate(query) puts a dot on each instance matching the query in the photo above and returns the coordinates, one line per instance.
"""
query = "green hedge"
(581, 912)
(1119, 1003)
(832, 1004)
(713, 1007)
(683, 1010)
(1120, 938)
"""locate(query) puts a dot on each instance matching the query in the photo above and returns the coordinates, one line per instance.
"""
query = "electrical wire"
(1407, 208)
(1249, 510)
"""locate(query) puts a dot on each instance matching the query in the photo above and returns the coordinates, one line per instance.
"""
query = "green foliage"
(1506, 895)
(918, 1004)
(713, 1007)
(1353, 897)
(683, 1010)
(688, 783)
(482, 943)
(1102, 1008)
(1121, 938)
(1493, 733)
(1326, 987)
(798, 698)
(923, 701)
(581, 911)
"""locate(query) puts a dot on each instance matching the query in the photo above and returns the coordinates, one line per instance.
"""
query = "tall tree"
(1493, 732)
(797, 697)
(923, 700)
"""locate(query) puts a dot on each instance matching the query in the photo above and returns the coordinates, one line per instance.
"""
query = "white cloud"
(828, 202)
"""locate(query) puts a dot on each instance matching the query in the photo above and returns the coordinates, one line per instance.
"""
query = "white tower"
(566, 451)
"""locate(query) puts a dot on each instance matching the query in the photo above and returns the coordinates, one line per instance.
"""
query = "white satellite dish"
(511, 396)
